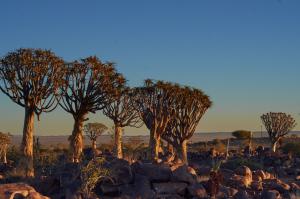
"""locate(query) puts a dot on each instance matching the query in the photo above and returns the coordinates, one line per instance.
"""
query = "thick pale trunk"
(274, 146)
(118, 142)
(27, 142)
(154, 144)
(4, 154)
(76, 142)
(182, 152)
(94, 145)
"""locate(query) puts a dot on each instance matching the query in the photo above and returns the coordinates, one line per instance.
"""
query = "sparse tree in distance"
(154, 103)
(5, 140)
(190, 106)
(122, 112)
(89, 87)
(241, 134)
(30, 78)
(93, 131)
(277, 125)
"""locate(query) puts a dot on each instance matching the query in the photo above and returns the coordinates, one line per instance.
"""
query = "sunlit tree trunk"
(94, 145)
(118, 142)
(76, 142)
(182, 152)
(4, 154)
(154, 144)
(274, 145)
(27, 142)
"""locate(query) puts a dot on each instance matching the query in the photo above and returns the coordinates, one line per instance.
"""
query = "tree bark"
(118, 142)
(4, 154)
(274, 145)
(182, 152)
(76, 142)
(154, 144)
(94, 145)
(27, 142)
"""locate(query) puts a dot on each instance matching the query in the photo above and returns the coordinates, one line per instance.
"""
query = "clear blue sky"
(244, 54)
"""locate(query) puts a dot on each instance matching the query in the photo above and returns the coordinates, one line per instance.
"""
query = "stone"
(9, 191)
(184, 174)
(259, 174)
(142, 187)
(257, 185)
(197, 190)
(298, 178)
(270, 194)
(168, 196)
(122, 173)
(170, 188)
(276, 184)
(242, 194)
(154, 172)
(244, 171)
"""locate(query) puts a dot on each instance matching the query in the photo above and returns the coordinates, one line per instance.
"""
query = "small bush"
(293, 148)
(241, 134)
(219, 146)
(91, 173)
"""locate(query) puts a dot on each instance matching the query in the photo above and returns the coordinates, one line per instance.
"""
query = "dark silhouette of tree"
(89, 86)
(154, 103)
(277, 125)
(30, 78)
(5, 140)
(190, 106)
(93, 131)
(122, 112)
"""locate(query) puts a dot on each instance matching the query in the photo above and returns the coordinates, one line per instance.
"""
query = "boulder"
(142, 187)
(257, 185)
(270, 194)
(154, 172)
(122, 173)
(244, 171)
(276, 184)
(259, 175)
(170, 188)
(242, 194)
(184, 174)
(168, 196)
(197, 191)
(9, 191)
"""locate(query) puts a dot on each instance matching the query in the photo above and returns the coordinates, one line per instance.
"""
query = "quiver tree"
(277, 125)
(190, 106)
(89, 86)
(93, 131)
(5, 140)
(154, 103)
(30, 78)
(122, 112)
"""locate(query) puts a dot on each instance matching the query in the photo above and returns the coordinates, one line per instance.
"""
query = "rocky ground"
(261, 174)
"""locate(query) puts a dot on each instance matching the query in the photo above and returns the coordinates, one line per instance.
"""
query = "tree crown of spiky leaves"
(121, 110)
(89, 85)
(154, 103)
(94, 130)
(190, 105)
(278, 124)
(31, 77)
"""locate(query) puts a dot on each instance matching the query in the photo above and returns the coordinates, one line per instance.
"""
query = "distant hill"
(63, 139)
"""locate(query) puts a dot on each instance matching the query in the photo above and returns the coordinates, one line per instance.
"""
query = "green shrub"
(242, 134)
(91, 173)
(293, 148)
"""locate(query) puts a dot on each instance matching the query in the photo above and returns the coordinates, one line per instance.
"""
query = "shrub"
(91, 173)
(242, 134)
(219, 146)
(293, 148)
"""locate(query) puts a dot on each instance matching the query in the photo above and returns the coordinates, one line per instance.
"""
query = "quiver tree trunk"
(182, 152)
(118, 142)
(274, 145)
(76, 139)
(4, 154)
(154, 144)
(94, 145)
(27, 142)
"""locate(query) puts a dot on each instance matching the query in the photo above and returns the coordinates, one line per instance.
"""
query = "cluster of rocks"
(19, 190)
